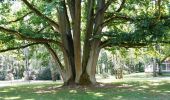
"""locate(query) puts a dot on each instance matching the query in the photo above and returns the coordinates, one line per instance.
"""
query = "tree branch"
(36, 11)
(123, 44)
(19, 47)
(12, 32)
(22, 37)
(128, 18)
(20, 18)
(115, 17)
(108, 43)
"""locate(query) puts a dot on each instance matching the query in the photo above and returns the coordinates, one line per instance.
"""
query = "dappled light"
(4, 91)
(45, 91)
(12, 98)
(84, 50)
(99, 94)
(118, 98)
(118, 90)
(73, 91)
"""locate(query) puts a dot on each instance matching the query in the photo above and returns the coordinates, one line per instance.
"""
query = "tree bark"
(77, 40)
(88, 76)
(67, 41)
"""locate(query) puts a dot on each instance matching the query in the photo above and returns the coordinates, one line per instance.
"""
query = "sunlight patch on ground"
(4, 91)
(167, 91)
(11, 98)
(99, 94)
(45, 91)
(156, 84)
(73, 91)
(38, 87)
(118, 98)
(158, 91)
(144, 86)
(125, 85)
(89, 92)
(54, 87)
(140, 89)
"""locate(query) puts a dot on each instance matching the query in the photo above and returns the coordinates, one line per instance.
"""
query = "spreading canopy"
(80, 28)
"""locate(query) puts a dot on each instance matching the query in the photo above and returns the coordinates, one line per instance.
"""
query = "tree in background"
(92, 24)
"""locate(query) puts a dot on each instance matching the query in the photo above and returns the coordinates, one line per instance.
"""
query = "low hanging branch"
(19, 47)
(22, 37)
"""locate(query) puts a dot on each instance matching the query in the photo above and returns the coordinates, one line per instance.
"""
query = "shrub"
(44, 74)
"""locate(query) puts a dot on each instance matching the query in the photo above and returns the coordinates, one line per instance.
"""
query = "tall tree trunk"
(88, 76)
(92, 62)
(77, 40)
(67, 41)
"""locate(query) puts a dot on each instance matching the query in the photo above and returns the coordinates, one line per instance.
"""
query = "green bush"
(44, 74)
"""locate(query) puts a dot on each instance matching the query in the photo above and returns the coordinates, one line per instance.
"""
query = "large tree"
(80, 28)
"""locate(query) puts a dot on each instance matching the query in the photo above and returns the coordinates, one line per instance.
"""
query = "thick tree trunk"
(77, 40)
(88, 76)
(77, 70)
(67, 40)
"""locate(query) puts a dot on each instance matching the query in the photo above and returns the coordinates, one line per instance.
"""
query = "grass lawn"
(118, 90)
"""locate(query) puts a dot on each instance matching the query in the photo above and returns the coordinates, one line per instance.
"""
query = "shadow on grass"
(147, 90)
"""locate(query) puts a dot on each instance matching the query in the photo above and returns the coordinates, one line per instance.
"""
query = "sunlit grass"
(118, 90)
